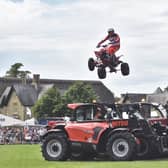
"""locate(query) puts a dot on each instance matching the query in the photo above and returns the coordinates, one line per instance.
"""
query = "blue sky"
(55, 38)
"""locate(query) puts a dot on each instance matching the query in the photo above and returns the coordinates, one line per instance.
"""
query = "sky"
(55, 38)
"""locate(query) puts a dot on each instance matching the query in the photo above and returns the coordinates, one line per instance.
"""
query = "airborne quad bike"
(103, 60)
(111, 135)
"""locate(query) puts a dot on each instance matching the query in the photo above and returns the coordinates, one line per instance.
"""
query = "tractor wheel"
(101, 71)
(91, 64)
(144, 148)
(125, 69)
(121, 146)
(55, 147)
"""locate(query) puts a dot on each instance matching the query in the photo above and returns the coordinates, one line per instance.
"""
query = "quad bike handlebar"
(105, 45)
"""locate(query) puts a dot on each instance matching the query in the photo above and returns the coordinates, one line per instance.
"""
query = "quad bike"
(103, 60)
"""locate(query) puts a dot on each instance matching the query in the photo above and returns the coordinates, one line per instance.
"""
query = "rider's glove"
(98, 45)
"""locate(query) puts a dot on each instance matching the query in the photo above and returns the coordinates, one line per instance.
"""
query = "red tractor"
(100, 129)
(152, 112)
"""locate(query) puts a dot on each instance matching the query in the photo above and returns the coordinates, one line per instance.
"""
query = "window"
(155, 113)
(150, 111)
(84, 113)
(80, 114)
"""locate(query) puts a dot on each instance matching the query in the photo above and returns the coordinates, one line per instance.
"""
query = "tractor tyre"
(55, 147)
(121, 146)
(144, 148)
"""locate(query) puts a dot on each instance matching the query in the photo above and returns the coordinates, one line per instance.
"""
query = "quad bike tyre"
(55, 147)
(91, 64)
(125, 69)
(121, 146)
(101, 71)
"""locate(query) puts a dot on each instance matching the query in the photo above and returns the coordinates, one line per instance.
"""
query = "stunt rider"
(113, 45)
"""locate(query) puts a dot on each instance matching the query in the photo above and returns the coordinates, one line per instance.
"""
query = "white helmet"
(110, 30)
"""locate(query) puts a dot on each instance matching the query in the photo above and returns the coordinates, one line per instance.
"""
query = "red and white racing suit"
(114, 44)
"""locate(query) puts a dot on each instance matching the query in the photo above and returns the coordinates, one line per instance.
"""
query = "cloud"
(66, 32)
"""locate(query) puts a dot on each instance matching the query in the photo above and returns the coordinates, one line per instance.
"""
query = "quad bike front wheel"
(91, 64)
(101, 71)
(125, 69)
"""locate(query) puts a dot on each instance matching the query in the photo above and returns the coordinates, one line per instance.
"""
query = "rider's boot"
(103, 56)
(112, 69)
(113, 60)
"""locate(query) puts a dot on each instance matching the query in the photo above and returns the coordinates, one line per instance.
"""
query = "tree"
(15, 72)
(24, 74)
(79, 92)
(49, 105)
(52, 104)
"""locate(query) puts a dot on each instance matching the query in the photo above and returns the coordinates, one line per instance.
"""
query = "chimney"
(36, 80)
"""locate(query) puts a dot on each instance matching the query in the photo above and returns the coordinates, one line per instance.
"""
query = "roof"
(104, 94)
(133, 97)
(5, 96)
(158, 91)
(26, 94)
(161, 98)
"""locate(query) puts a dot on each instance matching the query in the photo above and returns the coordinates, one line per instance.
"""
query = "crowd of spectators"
(20, 135)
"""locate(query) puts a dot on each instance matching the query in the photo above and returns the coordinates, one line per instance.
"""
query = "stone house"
(17, 100)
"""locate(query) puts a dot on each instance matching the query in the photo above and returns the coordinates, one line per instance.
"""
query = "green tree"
(15, 71)
(24, 74)
(49, 105)
(79, 92)
(52, 104)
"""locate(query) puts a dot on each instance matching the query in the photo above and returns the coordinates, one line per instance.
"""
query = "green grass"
(29, 156)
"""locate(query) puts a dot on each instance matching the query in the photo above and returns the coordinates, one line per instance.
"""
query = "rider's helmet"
(110, 30)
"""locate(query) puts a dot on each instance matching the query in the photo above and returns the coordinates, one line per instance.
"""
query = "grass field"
(29, 156)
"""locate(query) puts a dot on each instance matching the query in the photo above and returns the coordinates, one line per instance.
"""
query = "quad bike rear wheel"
(91, 64)
(125, 69)
(101, 71)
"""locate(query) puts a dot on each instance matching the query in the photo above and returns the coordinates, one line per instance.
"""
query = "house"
(17, 99)
(17, 96)
(133, 97)
(158, 96)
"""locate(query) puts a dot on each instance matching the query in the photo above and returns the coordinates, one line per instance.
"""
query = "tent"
(9, 121)
(31, 122)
